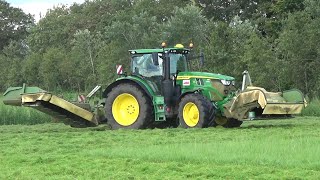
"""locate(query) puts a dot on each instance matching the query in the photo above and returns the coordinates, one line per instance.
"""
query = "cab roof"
(149, 51)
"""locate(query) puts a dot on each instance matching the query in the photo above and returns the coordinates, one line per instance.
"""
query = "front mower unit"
(256, 102)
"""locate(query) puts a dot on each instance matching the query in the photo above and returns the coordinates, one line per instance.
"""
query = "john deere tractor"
(160, 89)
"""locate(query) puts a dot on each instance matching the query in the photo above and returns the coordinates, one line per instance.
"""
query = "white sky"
(37, 7)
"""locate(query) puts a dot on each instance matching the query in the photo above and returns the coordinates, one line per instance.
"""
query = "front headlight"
(225, 82)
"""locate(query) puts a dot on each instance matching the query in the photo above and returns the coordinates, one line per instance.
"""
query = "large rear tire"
(127, 106)
(194, 111)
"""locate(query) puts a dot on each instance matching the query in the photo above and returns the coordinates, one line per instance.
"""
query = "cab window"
(144, 65)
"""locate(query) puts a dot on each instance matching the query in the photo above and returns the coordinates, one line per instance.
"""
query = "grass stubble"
(284, 149)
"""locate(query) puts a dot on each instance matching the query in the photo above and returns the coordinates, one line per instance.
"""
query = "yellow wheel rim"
(125, 109)
(191, 114)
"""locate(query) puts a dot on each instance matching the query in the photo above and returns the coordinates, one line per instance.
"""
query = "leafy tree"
(79, 46)
(129, 31)
(30, 69)
(84, 56)
(299, 45)
(49, 70)
(226, 10)
(188, 24)
(12, 57)
(96, 15)
(108, 57)
(14, 24)
(265, 69)
(266, 14)
(53, 31)
(225, 49)
(270, 14)
(163, 10)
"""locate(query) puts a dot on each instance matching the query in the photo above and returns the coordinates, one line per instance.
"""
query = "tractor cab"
(150, 62)
(159, 65)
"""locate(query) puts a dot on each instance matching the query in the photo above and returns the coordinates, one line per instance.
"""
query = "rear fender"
(133, 80)
(186, 93)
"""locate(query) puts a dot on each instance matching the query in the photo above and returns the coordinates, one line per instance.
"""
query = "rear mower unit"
(162, 91)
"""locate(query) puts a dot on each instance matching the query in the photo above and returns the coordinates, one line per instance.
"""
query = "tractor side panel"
(202, 85)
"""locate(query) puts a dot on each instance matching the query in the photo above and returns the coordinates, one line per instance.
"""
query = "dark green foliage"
(313, 108)
(13, 24)
(77, 47)
(185, 26)
(225, 10)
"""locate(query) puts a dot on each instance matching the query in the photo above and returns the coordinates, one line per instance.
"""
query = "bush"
(313, 108)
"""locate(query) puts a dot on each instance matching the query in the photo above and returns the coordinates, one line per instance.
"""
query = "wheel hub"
(125, 109)
(131, 109)
(191, 114)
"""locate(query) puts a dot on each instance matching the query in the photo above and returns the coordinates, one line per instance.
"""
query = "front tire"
(194, 111)
(127, 106)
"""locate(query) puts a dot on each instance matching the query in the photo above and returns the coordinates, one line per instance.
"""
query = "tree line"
(76, 47)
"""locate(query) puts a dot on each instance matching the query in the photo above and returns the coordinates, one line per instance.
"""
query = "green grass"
(21, 115)
(284, 149)
(27, 116)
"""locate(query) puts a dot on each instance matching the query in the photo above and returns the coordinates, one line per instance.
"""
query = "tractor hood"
(205, 75)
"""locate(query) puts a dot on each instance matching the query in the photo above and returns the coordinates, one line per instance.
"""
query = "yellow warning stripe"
(189, 77)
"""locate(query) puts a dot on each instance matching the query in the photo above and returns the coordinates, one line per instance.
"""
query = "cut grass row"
(284, 149)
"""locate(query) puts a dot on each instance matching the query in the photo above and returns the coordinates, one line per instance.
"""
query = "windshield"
(145, 65)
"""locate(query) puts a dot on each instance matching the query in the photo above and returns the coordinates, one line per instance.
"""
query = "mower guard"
(264, 104)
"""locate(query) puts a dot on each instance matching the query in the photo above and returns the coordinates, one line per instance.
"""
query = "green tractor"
(162, 91)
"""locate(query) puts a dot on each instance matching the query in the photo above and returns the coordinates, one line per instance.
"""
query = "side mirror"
(155, 59)
(201, 59)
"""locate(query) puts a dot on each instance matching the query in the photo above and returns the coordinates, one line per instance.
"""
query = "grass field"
(21, 115)
(284, 149)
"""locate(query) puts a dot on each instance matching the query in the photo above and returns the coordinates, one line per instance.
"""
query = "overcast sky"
(35, 7)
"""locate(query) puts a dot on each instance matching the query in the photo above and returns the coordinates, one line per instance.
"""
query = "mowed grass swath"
(280, 149)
